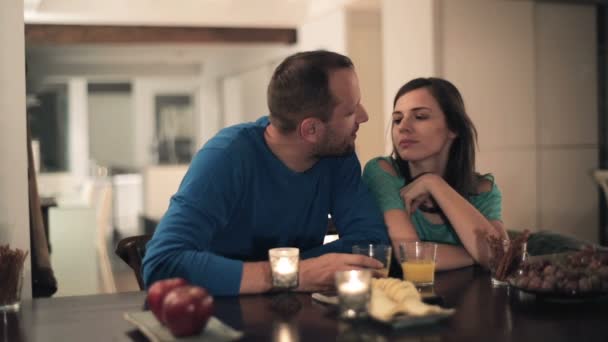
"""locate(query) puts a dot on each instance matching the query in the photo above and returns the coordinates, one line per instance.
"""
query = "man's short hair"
(299, 88)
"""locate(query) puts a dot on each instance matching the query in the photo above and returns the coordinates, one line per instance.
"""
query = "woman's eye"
(397, 121)
(421, 116)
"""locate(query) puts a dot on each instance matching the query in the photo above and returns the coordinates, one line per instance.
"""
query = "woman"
(428, 189)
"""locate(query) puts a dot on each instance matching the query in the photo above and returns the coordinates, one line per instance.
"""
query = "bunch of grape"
(581, 271)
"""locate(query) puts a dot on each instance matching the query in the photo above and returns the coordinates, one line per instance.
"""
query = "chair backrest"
(103, 213)
(132, 250)
(601, 177)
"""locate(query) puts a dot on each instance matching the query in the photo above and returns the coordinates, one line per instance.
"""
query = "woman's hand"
(418, 192)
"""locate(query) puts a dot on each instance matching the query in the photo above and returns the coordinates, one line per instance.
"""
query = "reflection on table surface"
(482, 313)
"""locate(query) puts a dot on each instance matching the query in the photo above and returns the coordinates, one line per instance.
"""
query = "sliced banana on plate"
(391, 297)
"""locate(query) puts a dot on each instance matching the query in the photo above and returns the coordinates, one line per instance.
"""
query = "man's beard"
(332, 148)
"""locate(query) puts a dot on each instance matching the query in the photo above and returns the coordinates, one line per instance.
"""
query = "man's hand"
(317, 274)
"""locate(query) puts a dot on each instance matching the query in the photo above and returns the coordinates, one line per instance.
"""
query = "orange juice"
(419, 272)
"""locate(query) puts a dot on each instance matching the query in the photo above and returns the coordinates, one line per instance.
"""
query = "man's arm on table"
(178, 252)
(358, 220)
(354, 211)
(181, 242)
(180, 245)
(315, 274)
(180, 248)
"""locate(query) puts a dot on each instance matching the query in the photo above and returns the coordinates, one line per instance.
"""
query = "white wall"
(210, 121)
(232, 108)
(327, 31)
(566, 91)
(14, 215)
(244, 94)
(364, 45)
(243, 80)
(160, 183)
(410, 47)
(111, 127)
(488, 53)
(78, 141)
(527, 72)
(254, 99)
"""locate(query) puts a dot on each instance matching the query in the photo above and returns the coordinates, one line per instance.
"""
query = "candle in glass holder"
(284, 264)
(354, 290)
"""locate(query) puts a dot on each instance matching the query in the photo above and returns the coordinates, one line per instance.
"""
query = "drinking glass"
(418, 262)
(11, 278)
(284, 263)
(505, 255)
(354, 292)
(379, 252)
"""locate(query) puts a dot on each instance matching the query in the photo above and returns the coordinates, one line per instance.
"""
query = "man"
(272, 183)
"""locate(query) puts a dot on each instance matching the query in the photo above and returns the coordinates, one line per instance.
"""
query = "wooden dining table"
(483, 313)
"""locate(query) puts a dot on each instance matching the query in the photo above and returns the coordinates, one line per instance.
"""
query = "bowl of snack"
(574, 275)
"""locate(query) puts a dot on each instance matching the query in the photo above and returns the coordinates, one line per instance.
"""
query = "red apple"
(186, 310)
(158, 291)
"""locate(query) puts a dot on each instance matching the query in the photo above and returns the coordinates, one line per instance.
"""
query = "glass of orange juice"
(418, 262)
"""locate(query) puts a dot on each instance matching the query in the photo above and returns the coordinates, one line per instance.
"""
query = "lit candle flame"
(354, 285)
(285, 266)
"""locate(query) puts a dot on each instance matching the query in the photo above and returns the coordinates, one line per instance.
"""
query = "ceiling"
(235, 13)
(223, 13)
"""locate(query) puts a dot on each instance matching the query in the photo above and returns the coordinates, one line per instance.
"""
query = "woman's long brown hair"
(460, 169)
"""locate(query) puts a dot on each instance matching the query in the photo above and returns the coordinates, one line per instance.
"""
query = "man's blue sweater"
(238, 200)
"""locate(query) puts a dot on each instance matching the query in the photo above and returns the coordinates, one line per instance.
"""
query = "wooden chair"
(44, 283)
(601, 177)
(132, 250)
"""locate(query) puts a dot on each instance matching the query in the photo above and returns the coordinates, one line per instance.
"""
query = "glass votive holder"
(379, 252)
(11, 278)
(354, 292)
(418, 262)
(284, 263)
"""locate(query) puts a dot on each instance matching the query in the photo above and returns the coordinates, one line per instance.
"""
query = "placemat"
(156, 332)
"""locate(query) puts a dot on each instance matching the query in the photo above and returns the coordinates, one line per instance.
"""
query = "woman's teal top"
(386, 187)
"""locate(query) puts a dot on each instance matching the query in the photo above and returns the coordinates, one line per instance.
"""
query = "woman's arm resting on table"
(471, 226)
(401, 228)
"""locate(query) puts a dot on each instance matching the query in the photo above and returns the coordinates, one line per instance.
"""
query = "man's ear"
(309, 129)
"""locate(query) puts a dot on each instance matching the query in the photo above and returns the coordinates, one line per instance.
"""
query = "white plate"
(429, 298)
(399, 321)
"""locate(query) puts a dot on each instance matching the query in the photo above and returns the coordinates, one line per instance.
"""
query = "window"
(49, 126)
(174, 128)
